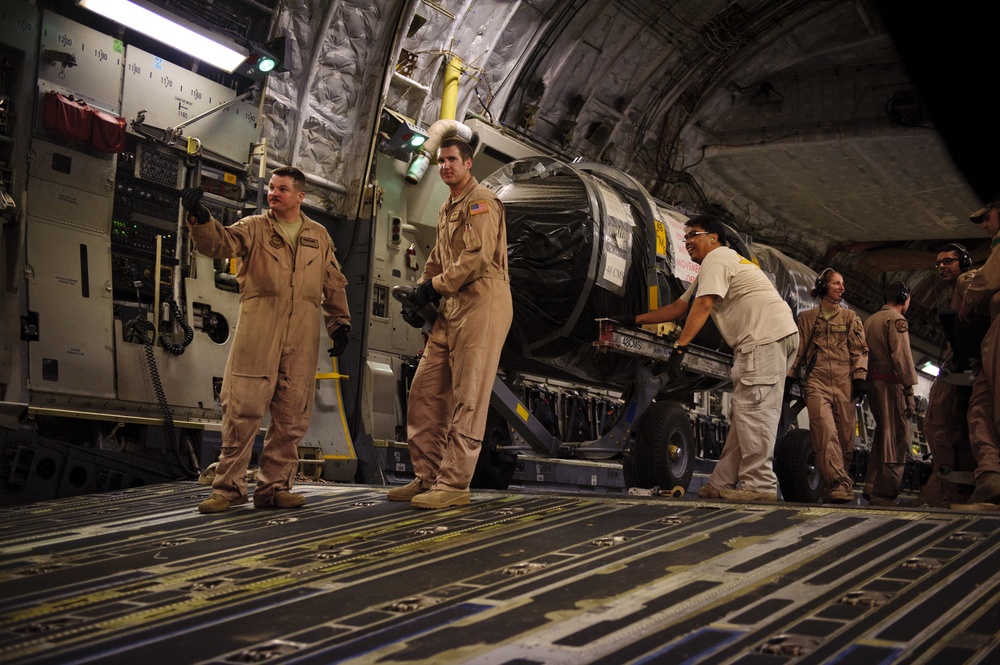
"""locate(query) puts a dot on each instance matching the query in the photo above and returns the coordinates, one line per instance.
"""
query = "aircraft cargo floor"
(139, 577)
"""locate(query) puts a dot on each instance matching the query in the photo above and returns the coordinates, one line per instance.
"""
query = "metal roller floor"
(139, 577)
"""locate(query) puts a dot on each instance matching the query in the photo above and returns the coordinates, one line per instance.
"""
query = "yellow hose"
(449, 92)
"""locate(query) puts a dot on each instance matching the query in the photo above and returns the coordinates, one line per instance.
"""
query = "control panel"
(146, 212)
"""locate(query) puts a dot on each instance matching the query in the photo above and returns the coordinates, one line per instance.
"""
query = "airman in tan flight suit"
(288, 274)
(984, 405)
(450, 393)
(891, 377)
(945, 423)
(833, 358)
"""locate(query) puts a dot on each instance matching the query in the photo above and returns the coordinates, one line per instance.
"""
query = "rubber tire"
(494, 468)
(795, 466)
(666, 438)
(637, 468)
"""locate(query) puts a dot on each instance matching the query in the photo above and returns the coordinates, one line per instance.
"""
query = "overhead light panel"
(174, 32)
(930, 368)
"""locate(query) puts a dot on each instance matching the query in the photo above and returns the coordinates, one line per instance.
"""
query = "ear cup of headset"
(902, 295)
(821, 286)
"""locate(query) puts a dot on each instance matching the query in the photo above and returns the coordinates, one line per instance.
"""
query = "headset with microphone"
(964, 258)
(820, 288)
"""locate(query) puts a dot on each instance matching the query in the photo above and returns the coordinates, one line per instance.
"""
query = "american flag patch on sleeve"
(478, 207)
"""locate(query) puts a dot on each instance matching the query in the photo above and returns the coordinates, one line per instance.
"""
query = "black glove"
(191, 201)
(625, 319)
(859, 390)
(340, 341)
(413, 318)
(425, 293)
(789, 384)
(673, 368)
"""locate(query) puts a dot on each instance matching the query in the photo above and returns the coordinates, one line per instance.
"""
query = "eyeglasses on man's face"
(944, 262)
(690, 235)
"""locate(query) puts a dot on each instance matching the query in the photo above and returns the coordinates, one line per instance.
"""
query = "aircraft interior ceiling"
(797, 119)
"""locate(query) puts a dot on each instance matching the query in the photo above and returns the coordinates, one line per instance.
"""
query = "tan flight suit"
(450, 393)
(945, 423)
(273, 359)
(984, 405)
(832, 352)
(890, 372)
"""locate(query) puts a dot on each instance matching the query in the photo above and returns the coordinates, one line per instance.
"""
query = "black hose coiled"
(178, 349)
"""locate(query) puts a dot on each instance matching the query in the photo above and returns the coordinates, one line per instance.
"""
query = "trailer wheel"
(795, 466)
(666, 438)
(637, 467)
(495, 467)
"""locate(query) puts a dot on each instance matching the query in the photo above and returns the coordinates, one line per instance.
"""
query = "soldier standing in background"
(833, 361)
(983, 410)
(891, 377)
(945, 419)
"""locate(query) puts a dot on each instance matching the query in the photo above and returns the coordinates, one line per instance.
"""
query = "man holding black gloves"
(288, 274)
(466, 278)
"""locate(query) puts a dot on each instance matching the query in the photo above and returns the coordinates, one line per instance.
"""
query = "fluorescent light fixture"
(930, 368)
(173, 32)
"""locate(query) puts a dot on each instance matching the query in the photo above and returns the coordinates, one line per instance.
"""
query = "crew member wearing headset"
(945, 424)
(832, 363)
(891, 377)
(984, 405)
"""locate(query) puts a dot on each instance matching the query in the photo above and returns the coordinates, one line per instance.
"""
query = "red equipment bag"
(68, 118)
(109, 132)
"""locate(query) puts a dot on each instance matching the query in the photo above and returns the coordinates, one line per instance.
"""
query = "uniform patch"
(277, 242)
(309, 242)
(454, 216)
(839, 328)
(902, 326)
(479, 207)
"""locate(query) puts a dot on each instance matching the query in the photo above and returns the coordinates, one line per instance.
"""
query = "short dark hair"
(896, 293)
(297, 176)
(464, 149)
(711, 224)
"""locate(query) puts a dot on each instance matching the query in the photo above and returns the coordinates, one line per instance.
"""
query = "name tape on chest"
(309, 242)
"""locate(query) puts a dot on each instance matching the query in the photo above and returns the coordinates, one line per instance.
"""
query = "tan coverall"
(944, 420)
(832, 352)
(450, 393)
(984, 405)
(890, 370)
(272, 363)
